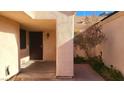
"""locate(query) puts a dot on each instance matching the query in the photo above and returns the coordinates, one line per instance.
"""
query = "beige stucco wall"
(113, 47)
(9, 47)
(49, 46)
(80, 26)
(64, 34)
(24, 53)
(64, 38)
(79, 52)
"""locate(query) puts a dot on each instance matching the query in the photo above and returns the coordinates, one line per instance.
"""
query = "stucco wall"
(9, 47)
(81, 24)
(49, 46)
(64, 34)
(113, 47)
(81, 52)
(64, 40)
(24, 53)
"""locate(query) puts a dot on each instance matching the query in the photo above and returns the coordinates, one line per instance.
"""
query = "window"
(22, 39)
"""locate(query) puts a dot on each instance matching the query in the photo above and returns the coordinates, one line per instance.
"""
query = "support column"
(64, 41)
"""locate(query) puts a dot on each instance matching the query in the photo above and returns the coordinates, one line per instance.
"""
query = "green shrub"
(115, 74)
(79, 60)
(106, 72)
(98, 65)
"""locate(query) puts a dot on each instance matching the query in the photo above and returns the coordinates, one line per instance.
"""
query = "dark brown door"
(36, 45)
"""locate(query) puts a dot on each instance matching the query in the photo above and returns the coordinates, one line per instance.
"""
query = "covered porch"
(46, 71)
(36, 71)
(56, 44)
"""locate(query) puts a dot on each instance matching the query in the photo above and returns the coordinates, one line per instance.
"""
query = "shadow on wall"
(112, 48)
(86, 43)
(24, 53)
(65, 65)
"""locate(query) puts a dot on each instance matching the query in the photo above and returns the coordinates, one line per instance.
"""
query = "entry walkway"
(84, 72)
(36, 71)
(45, 71)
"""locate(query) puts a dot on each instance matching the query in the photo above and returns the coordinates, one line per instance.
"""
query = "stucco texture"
(49, 46)
(64, 40)
(58, 47)
(113, 47)
(9, 48)
(65, 34)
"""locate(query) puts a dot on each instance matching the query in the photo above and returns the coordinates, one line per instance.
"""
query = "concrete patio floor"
(45, 71)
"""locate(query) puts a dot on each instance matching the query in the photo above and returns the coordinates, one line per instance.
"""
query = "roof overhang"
(27, 21)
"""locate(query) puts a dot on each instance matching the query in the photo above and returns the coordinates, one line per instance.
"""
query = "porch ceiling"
(29, 23)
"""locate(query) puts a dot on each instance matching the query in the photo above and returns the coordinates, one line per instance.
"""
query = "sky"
(90, 13)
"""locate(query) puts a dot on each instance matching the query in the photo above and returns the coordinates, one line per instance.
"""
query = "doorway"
(36, 45)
